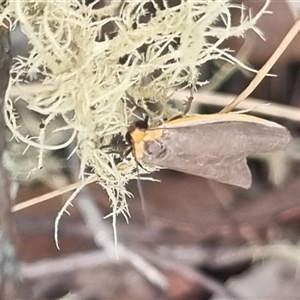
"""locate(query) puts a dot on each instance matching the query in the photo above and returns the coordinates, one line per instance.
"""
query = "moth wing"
(228, 137)
(215, 150)
(229, 170)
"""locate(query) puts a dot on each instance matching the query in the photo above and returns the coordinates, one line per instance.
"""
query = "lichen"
(95, 60)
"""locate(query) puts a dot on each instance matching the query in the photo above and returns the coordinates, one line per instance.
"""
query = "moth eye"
(157, 149)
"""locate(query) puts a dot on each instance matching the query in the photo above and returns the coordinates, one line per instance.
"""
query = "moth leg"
(139, 165)
(188, 102)
(123, 153)
(123, 150)
(127, 152)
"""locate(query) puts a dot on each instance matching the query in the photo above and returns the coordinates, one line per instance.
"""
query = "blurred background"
(196, 238)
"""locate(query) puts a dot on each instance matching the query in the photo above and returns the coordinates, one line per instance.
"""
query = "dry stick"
(266, 68)
(94, 220)
(68, 265)
(103, 238)
(211, 98)
(252, 104)
(6, 221)
(7, 225)
(53, 194)
(10, 285)
(193, 275)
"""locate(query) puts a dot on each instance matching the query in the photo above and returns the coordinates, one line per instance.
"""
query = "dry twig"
(8, 276)
(103, 238)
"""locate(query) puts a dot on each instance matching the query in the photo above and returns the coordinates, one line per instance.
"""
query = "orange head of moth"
(139, 134)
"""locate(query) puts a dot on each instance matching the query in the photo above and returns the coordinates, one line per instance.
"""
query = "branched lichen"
(93, 73)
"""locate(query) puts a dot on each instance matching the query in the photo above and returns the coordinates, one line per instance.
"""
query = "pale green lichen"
(90, 84)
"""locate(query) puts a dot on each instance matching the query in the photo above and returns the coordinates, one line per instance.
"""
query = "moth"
(213, 146)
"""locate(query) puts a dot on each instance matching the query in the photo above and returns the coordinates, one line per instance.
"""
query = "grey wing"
(226, 139)
(215, 151)
(230, 170)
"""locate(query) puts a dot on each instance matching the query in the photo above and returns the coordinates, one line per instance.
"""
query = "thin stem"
(266, 68)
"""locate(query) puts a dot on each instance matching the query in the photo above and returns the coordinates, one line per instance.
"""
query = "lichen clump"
(96, 59)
